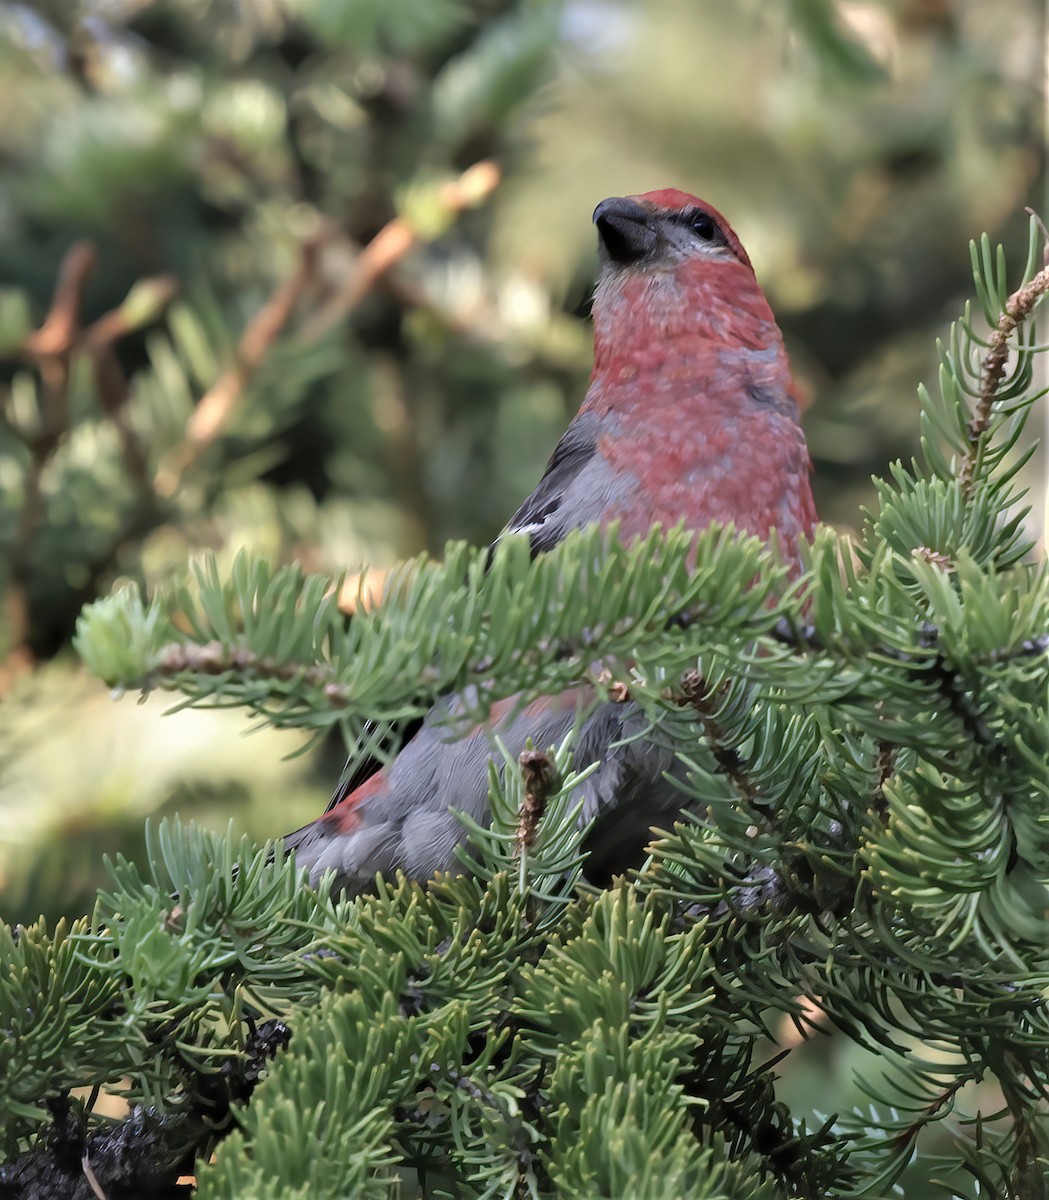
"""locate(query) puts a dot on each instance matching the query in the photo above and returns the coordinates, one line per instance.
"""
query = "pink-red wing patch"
(344, 817)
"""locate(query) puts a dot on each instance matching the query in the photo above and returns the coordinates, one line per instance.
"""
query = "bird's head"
(673, 269)
(663, 231)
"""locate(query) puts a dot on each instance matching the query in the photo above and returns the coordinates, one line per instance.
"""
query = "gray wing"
(570, 493)
(543, 515)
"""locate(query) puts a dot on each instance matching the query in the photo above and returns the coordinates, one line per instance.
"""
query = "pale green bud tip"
(118, 637)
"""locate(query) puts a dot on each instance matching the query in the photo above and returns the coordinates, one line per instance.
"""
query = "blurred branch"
(394, 241)
(220, 401)
(705, 702)
(51, 349)
(142, 306)
(56, 336)
(389, 246)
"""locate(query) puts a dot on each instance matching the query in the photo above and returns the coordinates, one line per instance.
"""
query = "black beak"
(625, 230)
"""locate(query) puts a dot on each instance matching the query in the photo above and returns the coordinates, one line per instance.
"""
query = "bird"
(691, 417)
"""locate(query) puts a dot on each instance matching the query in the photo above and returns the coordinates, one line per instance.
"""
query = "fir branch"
(804, 640)
(1017, 309)
(276, 641)
(506, 1039)
(935, 1110)
(213, 658)
(148, 1153)
(696, 692)
(961, 701)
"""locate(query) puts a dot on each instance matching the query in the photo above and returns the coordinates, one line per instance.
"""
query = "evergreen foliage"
(869, 743)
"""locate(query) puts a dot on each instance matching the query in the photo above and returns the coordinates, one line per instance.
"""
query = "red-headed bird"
(690, 417)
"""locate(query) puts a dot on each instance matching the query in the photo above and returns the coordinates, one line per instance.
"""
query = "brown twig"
(930, 1113)
(696, 692)
(1017, 308)
(51, 347)
(213, 658)
(541, 781)
(219, 402)
(56, 336)
(393, 242)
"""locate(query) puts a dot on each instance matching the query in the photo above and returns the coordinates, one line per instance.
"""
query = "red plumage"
(690, 417)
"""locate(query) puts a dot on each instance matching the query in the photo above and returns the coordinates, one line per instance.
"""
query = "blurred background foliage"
(311, 277)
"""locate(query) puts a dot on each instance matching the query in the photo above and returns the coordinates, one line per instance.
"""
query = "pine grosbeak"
(690, 416)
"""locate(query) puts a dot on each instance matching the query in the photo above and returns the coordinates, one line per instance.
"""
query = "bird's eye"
(702, 225)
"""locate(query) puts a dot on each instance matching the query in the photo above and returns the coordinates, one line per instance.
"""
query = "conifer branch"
(696, 692)
(177, 659)
(540, 780)
(282, 626)
(931, 1112)
(1017, 309)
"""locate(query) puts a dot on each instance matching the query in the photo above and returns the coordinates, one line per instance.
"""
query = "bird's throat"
(645, 319)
